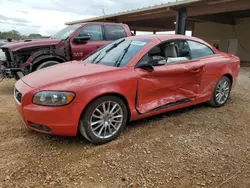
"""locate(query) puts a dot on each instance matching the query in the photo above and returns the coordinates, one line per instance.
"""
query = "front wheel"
(103, 120)
(221, 92)
(47, 64)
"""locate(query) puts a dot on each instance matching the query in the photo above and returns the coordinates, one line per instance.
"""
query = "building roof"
(162, 17)
(143, 9)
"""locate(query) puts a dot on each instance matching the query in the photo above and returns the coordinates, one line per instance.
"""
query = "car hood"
(14, 46)
(66, 73)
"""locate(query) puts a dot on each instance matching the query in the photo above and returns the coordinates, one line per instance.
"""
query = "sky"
(48, 16)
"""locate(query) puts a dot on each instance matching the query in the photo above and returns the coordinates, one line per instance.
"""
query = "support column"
(181, 19)
(134, 32)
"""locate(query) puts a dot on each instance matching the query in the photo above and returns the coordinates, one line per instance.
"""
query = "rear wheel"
(103, 120)
(47, 64)
(221, 92)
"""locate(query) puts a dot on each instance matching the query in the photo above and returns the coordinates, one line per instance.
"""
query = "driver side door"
(81, 50)
(168, 84)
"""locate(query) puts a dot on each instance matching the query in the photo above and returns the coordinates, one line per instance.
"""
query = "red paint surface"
(144, 91)
(84, 49)
(15, 46)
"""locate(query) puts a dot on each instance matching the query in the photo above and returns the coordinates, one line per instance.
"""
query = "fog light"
(40, 127)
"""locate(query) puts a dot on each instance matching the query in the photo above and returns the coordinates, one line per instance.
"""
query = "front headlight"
(53, 98)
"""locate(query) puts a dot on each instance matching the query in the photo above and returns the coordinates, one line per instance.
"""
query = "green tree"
(11, 34)
(34, 35)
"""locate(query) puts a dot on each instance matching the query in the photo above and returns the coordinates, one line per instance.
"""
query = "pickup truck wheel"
(47, 64)
(103, 120)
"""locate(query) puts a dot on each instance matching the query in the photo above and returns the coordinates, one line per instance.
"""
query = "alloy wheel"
(222, 91)
(106, 119)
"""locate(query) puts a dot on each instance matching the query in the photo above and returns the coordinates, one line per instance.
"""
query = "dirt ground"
(194, 147)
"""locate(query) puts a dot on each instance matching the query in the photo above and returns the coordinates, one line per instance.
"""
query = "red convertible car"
(129, 79)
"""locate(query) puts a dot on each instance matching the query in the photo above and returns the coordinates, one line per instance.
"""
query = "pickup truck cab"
(74, 42)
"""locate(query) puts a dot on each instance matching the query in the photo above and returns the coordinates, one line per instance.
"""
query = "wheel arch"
(230, 77)
(122, 97)
(42, 59)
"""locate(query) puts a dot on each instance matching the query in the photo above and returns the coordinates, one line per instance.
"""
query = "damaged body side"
(21, 61)
(169, 85)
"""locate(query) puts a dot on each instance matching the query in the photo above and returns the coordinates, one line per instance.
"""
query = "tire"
(105, 126)
(47, 64)
(215, 100)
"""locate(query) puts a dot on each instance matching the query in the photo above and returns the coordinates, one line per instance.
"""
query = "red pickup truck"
(71, 43)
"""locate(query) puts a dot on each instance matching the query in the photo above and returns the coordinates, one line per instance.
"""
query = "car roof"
(166, 37)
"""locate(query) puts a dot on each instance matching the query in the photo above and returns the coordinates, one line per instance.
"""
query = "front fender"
(126, 88)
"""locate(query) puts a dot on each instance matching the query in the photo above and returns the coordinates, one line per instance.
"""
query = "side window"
(183, 49)
(199, 50)
(94, 31)
(169, 52)
(114, 32)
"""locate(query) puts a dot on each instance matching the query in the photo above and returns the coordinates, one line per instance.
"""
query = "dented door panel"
(168, 84)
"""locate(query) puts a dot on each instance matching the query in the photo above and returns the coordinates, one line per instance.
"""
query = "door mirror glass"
(82, 38)
(146, 66)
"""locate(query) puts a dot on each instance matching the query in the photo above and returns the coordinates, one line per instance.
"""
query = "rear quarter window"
(114, 32)
(199, 50)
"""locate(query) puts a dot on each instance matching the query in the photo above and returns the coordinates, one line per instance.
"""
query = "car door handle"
(196, 70)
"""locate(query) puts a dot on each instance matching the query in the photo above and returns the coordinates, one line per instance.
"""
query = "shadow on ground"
(79, 140)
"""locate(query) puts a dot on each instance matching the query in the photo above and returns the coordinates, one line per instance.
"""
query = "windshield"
(64, 33)
(118, 53)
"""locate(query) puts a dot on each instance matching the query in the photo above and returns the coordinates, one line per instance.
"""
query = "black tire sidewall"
(85, 130)
(214, 101)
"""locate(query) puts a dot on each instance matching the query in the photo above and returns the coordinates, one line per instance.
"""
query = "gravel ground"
(194, 147)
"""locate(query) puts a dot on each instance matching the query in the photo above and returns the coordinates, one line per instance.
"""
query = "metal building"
(224, 23)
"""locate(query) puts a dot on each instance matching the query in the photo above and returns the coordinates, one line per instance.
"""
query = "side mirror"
(157, 62)
(146, 66)
(81, 38)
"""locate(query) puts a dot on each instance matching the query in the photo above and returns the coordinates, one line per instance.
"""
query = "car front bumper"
(50, 120)
(11, 72)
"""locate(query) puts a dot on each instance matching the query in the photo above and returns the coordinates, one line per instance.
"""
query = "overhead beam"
(153, 23)
(208, 8)
(214, 18)
(147, 16)
(140, 28)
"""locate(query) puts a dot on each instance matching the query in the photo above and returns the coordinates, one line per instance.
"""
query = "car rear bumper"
(50, 120)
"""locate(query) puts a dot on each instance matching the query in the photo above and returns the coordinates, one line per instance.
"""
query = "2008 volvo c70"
(129, 79)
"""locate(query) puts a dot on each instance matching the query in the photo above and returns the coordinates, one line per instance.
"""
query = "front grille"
(17, 95)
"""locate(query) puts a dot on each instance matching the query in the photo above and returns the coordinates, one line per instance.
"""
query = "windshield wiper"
(111, 48)
(96, 57)
(120, 58)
